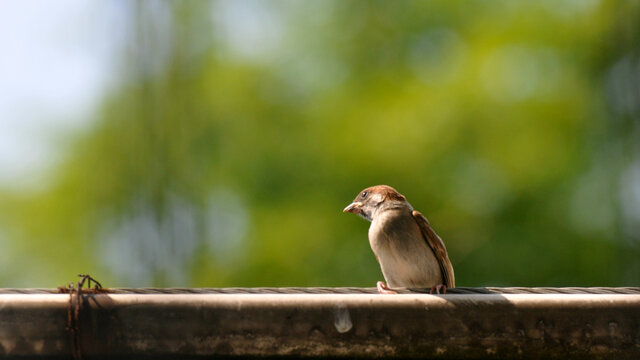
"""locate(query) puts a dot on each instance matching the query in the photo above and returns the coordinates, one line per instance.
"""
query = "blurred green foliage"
(240, 129)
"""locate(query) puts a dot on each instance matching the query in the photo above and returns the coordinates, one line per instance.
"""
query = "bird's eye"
(364, 194)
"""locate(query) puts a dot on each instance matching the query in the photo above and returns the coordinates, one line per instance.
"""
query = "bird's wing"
(436, 244)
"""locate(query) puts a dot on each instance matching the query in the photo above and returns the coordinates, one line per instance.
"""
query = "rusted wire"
(329, 290)
(73, 311)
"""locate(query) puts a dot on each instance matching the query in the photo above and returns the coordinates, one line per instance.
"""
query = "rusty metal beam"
(365, 326)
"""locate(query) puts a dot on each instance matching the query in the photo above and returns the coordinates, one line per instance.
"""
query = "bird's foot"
(384, 289)
(438, 288)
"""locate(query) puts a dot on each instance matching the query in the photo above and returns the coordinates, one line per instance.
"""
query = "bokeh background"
(215, 143)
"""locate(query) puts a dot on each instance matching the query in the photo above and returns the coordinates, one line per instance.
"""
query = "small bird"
(409, 252)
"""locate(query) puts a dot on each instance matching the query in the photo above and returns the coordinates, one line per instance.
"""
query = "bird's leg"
(437, 289)
(384, 289)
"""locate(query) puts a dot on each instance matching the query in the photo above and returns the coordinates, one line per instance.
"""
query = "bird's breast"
(405, 258)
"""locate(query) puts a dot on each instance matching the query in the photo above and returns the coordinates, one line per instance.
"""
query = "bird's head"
(372, 198)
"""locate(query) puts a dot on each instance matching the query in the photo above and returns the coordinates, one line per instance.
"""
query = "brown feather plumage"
(437, 246)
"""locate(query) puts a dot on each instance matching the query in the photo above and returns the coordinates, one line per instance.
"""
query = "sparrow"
(409, 251)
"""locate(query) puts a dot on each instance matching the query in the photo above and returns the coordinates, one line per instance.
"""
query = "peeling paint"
(342, 320)
(7, 346)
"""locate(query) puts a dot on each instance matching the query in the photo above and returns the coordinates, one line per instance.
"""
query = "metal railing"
(472, 323)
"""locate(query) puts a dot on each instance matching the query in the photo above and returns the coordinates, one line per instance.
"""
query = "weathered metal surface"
(408, 326)
(33, 324)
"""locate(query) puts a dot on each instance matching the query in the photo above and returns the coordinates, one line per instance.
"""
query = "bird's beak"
(353, 207)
